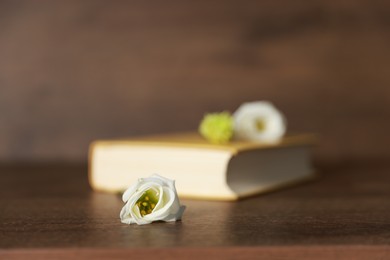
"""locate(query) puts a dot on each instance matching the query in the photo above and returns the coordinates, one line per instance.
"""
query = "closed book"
(202, 170)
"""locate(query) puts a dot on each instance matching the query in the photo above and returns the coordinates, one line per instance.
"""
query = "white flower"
(259, 121)
(151, 199)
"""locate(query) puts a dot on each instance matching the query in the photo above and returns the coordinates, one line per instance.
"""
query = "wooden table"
(49, 211)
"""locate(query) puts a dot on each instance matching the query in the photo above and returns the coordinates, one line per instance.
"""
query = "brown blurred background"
(75, 71)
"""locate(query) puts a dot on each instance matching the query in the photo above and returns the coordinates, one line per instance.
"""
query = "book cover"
(201, 169)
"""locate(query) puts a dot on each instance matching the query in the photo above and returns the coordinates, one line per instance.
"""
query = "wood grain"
(49, 207)
(266, 252)
(75, 71)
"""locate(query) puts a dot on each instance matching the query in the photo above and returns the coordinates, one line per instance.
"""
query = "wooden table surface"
(50, 211)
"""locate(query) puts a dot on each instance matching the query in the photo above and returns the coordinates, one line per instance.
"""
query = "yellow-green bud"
(217, 127)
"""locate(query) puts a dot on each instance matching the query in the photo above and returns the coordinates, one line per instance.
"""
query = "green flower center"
(147, 202)
(260, 125)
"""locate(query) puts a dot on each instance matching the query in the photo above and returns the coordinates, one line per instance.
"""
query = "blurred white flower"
(151, 199)
(259, 121)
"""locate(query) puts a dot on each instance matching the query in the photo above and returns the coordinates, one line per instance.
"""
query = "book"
(202, 170)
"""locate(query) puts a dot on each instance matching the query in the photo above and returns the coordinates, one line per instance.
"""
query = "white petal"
(248, 114)
(125, 215)
(166, 182)
(130, 191)
(177, 216)
(168, 205)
